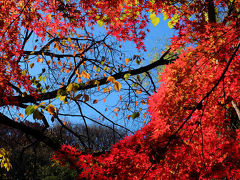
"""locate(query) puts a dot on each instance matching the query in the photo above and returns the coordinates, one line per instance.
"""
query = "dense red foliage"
(194, 129)
(191, 134)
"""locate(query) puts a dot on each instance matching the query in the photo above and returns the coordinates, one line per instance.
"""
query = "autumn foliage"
(194, 130)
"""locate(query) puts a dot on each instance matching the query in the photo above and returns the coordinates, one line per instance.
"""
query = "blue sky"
(155, 43)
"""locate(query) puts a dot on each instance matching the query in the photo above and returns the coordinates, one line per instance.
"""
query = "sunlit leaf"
(155, 20)
(110, 79)
(117, 86)
(29, 110)
(100, 23)
(126, 76)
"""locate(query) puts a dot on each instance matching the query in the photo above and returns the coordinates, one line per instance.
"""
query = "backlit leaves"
(29, 110)
(117, 85)
(73, 87)
(100, 23)
(173, 21)
(126, 76)
(155, 20)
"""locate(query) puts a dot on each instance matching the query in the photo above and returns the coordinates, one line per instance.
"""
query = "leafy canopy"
(194, 130)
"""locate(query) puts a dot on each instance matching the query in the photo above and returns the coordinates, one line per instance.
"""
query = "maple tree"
(194, 128)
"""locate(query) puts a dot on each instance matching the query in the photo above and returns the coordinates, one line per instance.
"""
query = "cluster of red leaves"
(190, 135)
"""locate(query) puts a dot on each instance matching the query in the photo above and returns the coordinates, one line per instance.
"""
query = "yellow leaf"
(4, 160)
(173, 21)
(62, 98)
(165, 15)
(100, 23)
(108, 89)
(155, 20)
(170, 24)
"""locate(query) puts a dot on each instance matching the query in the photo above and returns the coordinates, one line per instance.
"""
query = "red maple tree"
(194, 129)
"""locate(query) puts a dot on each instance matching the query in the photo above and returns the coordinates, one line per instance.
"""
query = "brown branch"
(71, 131)
(37, 134)
(211, 12)
(18, 100)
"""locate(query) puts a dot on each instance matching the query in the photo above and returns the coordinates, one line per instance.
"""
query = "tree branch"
(17, 100)
(37, 134)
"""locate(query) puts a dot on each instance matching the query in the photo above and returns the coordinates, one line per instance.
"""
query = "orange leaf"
(117, 86)
(111, 79)
(126, 61)
(95, 101)
(51, 109)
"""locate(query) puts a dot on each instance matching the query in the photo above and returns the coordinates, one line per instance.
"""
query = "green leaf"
(98, 69)
(81, 84)
(135, 115)
(40, 78)
(126, 76)
(29, 110)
